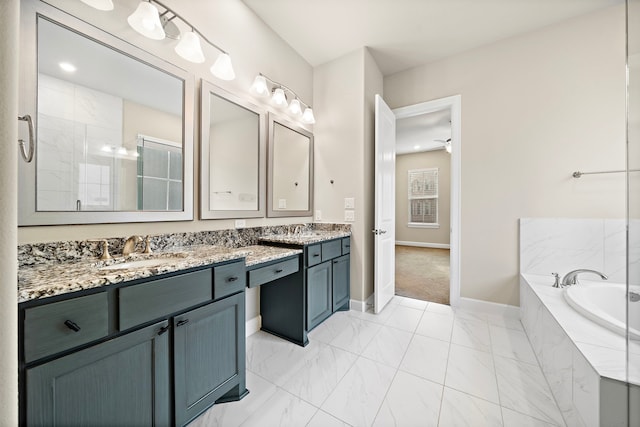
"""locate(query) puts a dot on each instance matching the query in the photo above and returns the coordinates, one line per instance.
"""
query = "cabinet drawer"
(331, 250)
(59, 326)
(266, 274)
(346, 245)
(314, 253)
(158, 298)
(229, 279)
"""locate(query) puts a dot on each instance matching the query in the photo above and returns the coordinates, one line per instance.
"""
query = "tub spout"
(571, 278)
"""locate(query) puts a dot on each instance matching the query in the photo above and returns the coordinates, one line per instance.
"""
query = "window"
(423, 198)
(159, 174)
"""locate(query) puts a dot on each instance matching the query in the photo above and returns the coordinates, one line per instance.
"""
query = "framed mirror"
(232, 156)
(113, 127)
(290, 181)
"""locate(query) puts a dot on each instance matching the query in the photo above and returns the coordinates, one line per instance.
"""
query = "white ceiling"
(425, 132)
(403, 34)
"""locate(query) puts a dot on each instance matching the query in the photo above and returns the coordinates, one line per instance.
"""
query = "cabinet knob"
(72, 325)
(163, 330)
(232, 279)
(182, 322)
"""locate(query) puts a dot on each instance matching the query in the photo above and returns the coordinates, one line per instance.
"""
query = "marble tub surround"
(45, 280)
(67, 251)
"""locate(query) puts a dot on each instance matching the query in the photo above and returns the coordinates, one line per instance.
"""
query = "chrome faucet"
(130, 245)
(571, 278)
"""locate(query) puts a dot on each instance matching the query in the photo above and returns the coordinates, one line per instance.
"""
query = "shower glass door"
(633, 203)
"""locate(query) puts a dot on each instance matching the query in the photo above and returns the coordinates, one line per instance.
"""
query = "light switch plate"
(318, 216)
(349, 203)
(349, 215)
(241, 223)
(282, 203)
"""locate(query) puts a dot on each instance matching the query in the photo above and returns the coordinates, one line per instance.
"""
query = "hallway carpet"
(422, 273)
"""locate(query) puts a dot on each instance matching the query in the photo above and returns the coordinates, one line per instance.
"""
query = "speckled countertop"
(304, 238)
(57, 278)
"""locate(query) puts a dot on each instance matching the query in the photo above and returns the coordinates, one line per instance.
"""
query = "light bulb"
(307, 116)
(294, 107)
(222, 68)
(279, 98)
(146, 21)
(259, 86)
(189, 47)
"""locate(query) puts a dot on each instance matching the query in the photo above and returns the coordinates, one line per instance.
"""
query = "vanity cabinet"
(150, 352)
(340, 282)
(319, 290)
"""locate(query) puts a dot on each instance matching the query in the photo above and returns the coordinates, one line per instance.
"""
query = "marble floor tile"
(233, 414)
(262, 345)
(505, 321)
(358, 396)
(460, 410)
(472, 371)
(356, 335)
(427, 358)
(405, 318)
(471, 333)
(322, 419)
(440, 308)
(328, 330)
(511, 343)
(524, 389)
(413, 303)
(515, 419)
(410, 401)
(471, 315)
(281, 365)
(320, 374)
(369, 315)
(388, 346)
(435, 325)
(280, 410)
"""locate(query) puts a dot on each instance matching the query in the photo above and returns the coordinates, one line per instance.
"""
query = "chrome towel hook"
(27, 155)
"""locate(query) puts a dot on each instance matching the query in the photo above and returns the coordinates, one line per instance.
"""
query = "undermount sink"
(140, 263)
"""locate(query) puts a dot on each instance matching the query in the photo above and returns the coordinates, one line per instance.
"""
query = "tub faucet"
(571, 278)
(130, 245)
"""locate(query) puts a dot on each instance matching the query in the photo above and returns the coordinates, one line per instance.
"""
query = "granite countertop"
(304, 238)
(57, 278)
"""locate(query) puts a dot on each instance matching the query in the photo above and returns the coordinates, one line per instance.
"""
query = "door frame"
(454, 103)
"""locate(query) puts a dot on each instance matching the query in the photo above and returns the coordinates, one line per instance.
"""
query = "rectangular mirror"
(290, 184)
(114, 127)
(232, 156)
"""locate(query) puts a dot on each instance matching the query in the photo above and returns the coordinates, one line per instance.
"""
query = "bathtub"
(605, 304)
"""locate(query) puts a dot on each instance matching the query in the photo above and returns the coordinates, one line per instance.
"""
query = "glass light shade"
(295, 108)
(259, 86)
(279, 98)
(222, 68)
(189, 47)
(307, 116)
(146, 21)
(99, 4)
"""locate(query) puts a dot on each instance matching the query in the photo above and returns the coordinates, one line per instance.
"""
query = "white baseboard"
(488, 307)
(253, 325)
(424, 245)
(361, 306)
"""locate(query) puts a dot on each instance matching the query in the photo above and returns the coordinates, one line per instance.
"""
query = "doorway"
(423, 200)
(451, 104)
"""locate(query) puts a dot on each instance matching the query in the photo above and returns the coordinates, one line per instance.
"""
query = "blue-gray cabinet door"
(209, 356)
(319, 304)
(121, 382)
(341, 274)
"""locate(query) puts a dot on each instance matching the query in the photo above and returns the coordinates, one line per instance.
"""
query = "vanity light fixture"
(148, 21)
(278, 93)
(99, 4)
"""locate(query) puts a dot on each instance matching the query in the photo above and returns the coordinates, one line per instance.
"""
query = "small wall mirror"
(290, 185)
(232, 157)
(114, 128)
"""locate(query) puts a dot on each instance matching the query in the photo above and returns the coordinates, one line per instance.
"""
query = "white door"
(385, 206)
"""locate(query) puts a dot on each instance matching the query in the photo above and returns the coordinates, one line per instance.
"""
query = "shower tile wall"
(74, 124)
(561, 244)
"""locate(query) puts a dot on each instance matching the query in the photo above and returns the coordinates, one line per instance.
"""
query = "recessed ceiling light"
(416, 147)
(68, 67)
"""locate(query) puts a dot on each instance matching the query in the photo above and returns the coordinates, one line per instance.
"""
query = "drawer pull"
(279, 271)
(335, 261)
(72, 325)
(316, 255)
(182, 322)
(163, 330)
(347, 246)
(232, 279)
